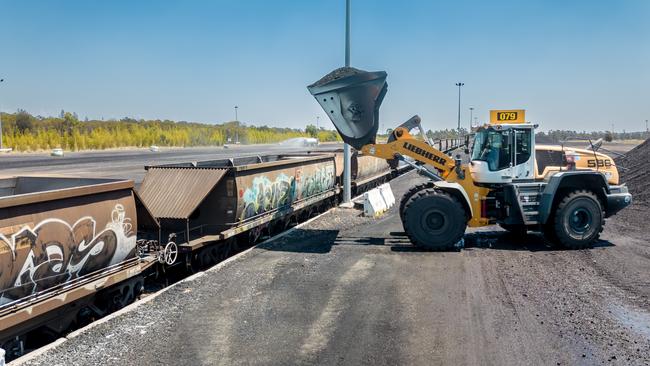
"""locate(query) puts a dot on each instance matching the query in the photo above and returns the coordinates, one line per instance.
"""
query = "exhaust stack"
(351, 98)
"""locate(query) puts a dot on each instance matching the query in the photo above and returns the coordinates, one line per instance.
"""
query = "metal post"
(347, 194)
(317, 120)
(1, 80)
(236, 118)
(459, 85)
(471, 113)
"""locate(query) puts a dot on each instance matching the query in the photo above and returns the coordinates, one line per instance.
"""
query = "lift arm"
(401, 142)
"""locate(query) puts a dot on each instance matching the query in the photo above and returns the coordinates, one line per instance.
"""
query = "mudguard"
(575, 179)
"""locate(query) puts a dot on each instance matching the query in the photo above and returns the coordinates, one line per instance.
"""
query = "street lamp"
(471, 113)
(459, 85)
(317, 120)
(347, 152)
(1, 80)
(236, 119)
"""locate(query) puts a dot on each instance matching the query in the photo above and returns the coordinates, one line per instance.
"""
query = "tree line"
(553, 136)
(25, 132)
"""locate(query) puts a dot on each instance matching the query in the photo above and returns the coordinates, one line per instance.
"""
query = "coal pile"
(339, 73)
(634, 170)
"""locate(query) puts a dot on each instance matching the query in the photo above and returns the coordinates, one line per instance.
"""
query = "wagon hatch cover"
(175, 193)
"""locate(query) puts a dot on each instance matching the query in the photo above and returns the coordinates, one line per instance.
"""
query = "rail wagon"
(74, 249)
(62, 242)
(203, 206)
(365, 173)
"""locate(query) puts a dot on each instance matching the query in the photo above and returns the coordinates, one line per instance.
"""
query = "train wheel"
(434, 220)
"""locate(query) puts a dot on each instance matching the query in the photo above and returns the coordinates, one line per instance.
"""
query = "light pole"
(347, 195)
(471, 114)
(459, 85)
(1, 80)
(646, 125)
(236, 119)
(317, 120)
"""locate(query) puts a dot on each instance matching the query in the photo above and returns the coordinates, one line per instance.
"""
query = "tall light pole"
(459, 85)
(317, 120)
(471, 114)
(1, 80)
(646, 125)
(347, 195)
(236, 119)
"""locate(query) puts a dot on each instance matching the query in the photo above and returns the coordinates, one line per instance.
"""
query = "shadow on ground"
(322, 241)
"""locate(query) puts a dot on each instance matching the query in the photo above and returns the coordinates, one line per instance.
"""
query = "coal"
(634, 171)
(337, 74)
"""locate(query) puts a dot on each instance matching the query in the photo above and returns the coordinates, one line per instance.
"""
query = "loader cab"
(503, 153)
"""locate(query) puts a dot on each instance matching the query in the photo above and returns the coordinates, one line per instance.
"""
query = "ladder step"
(530, 203)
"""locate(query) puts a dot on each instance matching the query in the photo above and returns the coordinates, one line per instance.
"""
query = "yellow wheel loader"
(562, 192)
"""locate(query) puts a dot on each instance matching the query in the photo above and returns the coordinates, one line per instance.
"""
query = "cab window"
(523, 145)
(493, 147)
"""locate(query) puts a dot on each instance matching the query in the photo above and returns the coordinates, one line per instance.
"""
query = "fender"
(457, 191)
(576, 179)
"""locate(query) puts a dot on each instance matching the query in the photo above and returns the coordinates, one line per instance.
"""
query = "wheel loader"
(564, 193)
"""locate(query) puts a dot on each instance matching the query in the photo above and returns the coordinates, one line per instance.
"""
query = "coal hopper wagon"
(74, 249)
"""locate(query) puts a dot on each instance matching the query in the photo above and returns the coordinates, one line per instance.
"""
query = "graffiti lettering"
(54, 252)
(266, 194)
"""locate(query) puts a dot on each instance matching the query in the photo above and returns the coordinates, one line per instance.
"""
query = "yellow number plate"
(508, 116)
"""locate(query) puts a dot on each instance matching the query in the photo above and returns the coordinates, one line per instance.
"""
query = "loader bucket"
(351, 98)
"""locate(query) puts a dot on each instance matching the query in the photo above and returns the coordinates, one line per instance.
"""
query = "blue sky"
(570, 64)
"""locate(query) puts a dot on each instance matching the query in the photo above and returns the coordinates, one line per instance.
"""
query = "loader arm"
(405, 144)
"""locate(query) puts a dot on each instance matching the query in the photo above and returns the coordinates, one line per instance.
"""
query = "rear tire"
(578, 220)
(434, 220)
(413, 190)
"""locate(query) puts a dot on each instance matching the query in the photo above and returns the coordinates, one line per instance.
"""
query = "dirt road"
(347, 289)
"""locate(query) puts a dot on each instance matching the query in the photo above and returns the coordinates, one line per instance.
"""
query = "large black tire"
(578, 220)
(413, 190)
(434, 220)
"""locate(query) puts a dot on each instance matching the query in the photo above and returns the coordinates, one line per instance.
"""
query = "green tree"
(608, 136)
(311, 130)
(23, 121)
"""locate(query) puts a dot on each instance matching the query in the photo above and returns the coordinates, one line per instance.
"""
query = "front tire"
(434, 220)
(578, 220)
(413, 190)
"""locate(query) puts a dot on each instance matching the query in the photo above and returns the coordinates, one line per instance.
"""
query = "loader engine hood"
(351, 98)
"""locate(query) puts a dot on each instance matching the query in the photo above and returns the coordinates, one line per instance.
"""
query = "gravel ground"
(346, 289)
(634, 171)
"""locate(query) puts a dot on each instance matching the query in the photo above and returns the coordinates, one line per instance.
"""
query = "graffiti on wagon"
(54, 252)
(265, 194)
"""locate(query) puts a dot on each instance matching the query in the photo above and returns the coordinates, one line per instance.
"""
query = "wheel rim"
(580, 220)
(433, 221)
